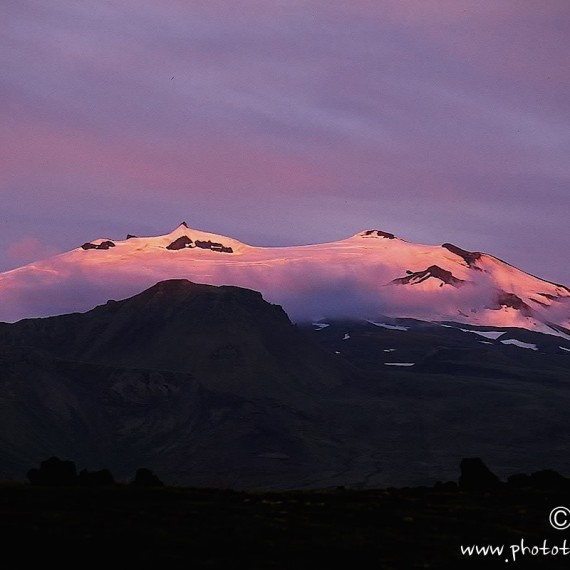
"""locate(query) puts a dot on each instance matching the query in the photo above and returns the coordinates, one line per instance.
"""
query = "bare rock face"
(214, 246)
(470, 257)
(415, 277)
(103, 245)
(505, 299)
(378, 233)
(182, 242)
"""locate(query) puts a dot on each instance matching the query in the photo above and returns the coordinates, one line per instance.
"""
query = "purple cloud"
(289, 122)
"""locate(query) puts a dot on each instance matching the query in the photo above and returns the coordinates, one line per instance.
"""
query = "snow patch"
(390, 327)
(494, 335)
(520, 344)
(389, 350)
(320, 326)
(399, 363)
(564, 348)
(346, 336)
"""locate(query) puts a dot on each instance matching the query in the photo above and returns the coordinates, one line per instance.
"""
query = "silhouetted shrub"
(519, 481)
(146, 478)
(54, 472)
(548, 480)
(103, 478)
(476, 476)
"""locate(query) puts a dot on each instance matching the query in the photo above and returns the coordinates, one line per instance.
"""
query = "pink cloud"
(29, 249)
(175, 165)
(322, 117)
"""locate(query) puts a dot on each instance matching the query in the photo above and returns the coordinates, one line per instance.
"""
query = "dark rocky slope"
(213, 386)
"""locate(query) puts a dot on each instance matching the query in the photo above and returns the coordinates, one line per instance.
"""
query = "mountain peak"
(181, 229)
(228, 338)
(351, 277)
(171, 288)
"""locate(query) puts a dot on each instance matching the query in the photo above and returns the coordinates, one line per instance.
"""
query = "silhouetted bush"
(103, 478)
(476, 476)
(54, 472)
(548, 480)
(146, 478)
(519, 481)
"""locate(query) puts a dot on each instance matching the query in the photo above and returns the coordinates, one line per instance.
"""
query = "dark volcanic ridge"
(209, 331)
(214, 386)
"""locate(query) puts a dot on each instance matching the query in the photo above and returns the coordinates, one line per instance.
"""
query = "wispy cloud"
(399, 112)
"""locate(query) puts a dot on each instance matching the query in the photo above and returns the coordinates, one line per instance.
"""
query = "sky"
(287, 122)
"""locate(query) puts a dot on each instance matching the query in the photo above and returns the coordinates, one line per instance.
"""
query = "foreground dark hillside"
(228, 338)
(212, 386)
(192, 528)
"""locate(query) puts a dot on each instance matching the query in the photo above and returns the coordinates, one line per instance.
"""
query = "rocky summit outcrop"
(378, 233)
(184, 242)
(470, 257)
(433, 271)
(180, 243)
(103, 245)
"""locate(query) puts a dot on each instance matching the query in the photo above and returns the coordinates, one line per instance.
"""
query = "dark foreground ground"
(217, 529)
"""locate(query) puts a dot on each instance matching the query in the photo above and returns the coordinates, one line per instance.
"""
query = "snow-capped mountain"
(369, 274)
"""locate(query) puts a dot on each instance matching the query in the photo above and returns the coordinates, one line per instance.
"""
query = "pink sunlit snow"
(364, 276)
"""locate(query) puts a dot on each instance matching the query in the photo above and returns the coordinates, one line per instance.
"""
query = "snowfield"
(364, 276)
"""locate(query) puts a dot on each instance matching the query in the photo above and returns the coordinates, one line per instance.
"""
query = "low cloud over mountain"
(369, 274)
